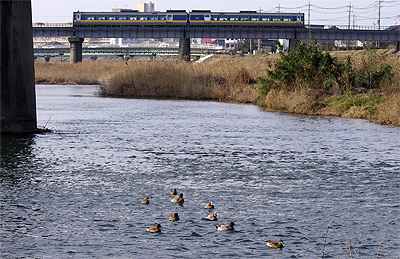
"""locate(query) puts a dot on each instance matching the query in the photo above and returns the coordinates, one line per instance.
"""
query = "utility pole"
(349, 14)
(279, 8)
(309, 13)
(379, 15)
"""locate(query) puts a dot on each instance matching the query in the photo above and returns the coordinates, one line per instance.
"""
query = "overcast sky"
(363, 12)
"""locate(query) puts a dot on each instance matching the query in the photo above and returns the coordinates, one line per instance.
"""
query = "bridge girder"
(237, 32)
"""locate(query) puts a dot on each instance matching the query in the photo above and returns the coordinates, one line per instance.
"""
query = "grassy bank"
(310, 81)
(365, 85)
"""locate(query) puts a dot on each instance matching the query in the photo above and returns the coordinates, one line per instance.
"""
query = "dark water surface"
(317, 183)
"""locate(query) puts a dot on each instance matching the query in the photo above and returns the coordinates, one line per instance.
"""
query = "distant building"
(145, 7)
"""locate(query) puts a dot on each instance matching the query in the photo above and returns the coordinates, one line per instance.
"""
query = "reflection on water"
(77, 192)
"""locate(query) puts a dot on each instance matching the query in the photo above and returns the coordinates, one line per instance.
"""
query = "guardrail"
(52, 24)
(354, 27)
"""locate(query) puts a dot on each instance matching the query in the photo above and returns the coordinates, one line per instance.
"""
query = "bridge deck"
(221, 31)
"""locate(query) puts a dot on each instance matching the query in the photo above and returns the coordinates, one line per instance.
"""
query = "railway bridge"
(185, 32)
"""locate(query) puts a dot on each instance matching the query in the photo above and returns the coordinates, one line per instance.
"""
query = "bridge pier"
(18, 99)
(75, 51)
(293, 44)
(397, 47)
(184, 49)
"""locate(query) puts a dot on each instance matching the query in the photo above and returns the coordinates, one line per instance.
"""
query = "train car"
(204, 17)
(131, 17)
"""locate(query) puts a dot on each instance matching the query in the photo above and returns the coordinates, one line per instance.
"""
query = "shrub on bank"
(310, 67)
(310, 81)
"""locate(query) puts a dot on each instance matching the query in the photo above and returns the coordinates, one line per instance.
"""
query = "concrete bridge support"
(184, 49)
(75, 51)
(293, 44)
(397, 47)
(18, 100)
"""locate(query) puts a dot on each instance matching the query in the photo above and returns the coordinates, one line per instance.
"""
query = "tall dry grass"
(83, 73)
(225, 79)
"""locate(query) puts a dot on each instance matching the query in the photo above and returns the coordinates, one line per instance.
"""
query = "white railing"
(41, 24)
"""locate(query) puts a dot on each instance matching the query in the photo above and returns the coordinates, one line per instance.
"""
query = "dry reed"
(219, 79)
(84, 73)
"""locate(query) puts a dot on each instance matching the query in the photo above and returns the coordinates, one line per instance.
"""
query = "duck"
(209, 206)
(212, 217)
(178, 199)
(275, 244)
(174, 217)
(173, 192)
(155, 229)
(145, 200)
(225, 227)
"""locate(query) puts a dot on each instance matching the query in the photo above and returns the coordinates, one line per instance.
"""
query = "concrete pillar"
(184, 49)
(293, 44)
(126, 58)
(18, 99)
(397, 46)
(75, 50)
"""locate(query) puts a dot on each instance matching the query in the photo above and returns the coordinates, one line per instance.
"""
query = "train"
(182, 17)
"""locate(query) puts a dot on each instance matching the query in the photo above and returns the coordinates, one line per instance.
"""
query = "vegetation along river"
(326, 186)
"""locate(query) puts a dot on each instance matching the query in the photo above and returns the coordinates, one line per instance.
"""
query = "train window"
(234, 18)
(180, 17)
(142, 17)
(110, 17)
(265, 18)
(101, 17)
(287, 18)
(132, 17)
(255, 18)
(169, 17)
(244, 18)
(153, 17)
(214, 17)
(223, 18)
(196, 18)
(121, 17)
(89, 17)
(161, 17)
(276, 18)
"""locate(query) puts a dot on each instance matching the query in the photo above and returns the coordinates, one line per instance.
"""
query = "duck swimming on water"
(225, 227)
(209, 206)
(274, 244)
(212, 217)
(154, 230)
(178, 199)
(145, 200)
(174, 217)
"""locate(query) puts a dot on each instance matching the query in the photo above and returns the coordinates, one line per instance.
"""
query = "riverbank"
(230, 79)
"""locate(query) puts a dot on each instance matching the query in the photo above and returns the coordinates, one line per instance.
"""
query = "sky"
(362, 12)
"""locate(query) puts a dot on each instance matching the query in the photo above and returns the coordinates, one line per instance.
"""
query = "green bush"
(310, 67)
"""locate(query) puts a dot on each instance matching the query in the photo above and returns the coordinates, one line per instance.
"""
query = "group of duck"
(174, 217)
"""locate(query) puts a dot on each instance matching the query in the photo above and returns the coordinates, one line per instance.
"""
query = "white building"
(145, 7)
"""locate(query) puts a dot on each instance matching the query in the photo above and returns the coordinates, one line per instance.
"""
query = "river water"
(320, 184)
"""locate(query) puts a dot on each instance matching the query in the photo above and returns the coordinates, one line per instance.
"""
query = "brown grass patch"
(83, 73)
(224, 79)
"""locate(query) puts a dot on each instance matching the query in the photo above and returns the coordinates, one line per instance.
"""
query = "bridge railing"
(40, 24)
(353, 27)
